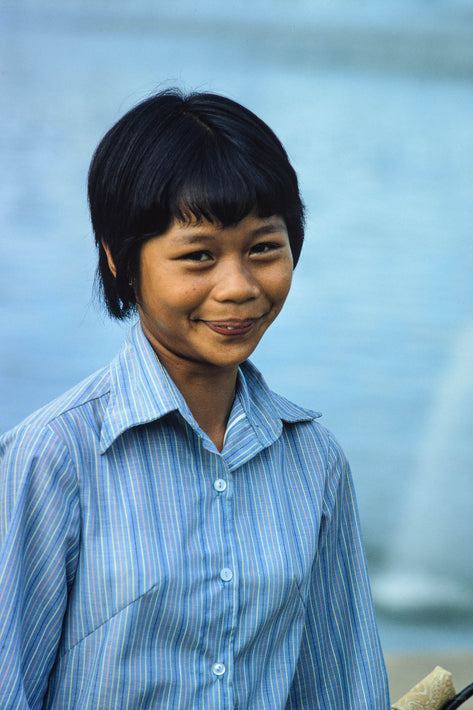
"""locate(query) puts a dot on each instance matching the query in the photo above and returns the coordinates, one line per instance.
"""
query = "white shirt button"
(226, 574)
(220, 485)
(218, 669)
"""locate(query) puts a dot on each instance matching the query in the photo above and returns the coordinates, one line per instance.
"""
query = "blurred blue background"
(374, 103)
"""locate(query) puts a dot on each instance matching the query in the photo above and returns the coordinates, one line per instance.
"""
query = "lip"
(232, 326)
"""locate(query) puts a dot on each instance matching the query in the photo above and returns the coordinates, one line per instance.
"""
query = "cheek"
(170, 297)
(282, 284)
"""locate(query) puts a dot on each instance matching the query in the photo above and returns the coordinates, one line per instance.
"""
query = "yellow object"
(430, 694)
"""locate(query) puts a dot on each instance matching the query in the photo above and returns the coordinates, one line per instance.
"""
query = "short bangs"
(186, 158)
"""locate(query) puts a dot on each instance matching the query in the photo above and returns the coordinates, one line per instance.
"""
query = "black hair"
(185, 157)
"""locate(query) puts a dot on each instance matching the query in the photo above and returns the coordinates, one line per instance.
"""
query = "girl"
(174, 534)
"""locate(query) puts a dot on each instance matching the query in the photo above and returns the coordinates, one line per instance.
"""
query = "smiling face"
(207, 294)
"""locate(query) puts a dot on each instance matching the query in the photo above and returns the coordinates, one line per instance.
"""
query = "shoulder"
(319, 458)
(307, 433)
(306, 427)
(39, 476)
(50, 424)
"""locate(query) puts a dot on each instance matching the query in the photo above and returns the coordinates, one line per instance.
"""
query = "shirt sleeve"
(39, 544)
(341, 665)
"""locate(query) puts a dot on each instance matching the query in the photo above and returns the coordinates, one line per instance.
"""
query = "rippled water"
(375, 108)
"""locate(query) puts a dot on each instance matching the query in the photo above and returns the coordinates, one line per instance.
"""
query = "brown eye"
(198, 256)
(264, 247)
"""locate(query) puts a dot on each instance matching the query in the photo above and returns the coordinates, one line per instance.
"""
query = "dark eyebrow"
(199, 237)
(189, 239)
(267, 229)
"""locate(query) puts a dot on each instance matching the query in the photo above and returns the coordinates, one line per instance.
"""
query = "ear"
(111, 263)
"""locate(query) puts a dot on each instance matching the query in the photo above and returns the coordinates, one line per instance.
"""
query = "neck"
(209, 394)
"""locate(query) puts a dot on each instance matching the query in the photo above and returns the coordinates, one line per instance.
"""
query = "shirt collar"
(266, 409)
(257, 418)
(141, 391)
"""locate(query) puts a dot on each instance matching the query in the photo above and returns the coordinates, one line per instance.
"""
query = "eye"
(200, 256)
(264, 247)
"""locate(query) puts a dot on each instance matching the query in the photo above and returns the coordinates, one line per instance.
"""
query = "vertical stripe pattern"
(141, 568)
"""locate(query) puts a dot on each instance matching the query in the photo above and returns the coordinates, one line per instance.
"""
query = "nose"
(236, 282)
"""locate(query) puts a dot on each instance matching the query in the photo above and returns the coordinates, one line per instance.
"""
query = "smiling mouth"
(231, 327)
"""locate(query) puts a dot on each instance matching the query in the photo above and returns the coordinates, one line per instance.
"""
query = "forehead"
(253, 226)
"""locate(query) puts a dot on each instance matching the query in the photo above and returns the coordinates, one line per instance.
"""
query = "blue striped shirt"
(142, 568)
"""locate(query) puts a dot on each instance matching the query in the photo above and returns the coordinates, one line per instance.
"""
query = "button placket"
(221, 484)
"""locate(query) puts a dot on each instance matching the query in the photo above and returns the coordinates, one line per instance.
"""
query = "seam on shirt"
(299, 592)
(65, 444)
(106, 621)
(77, 406)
